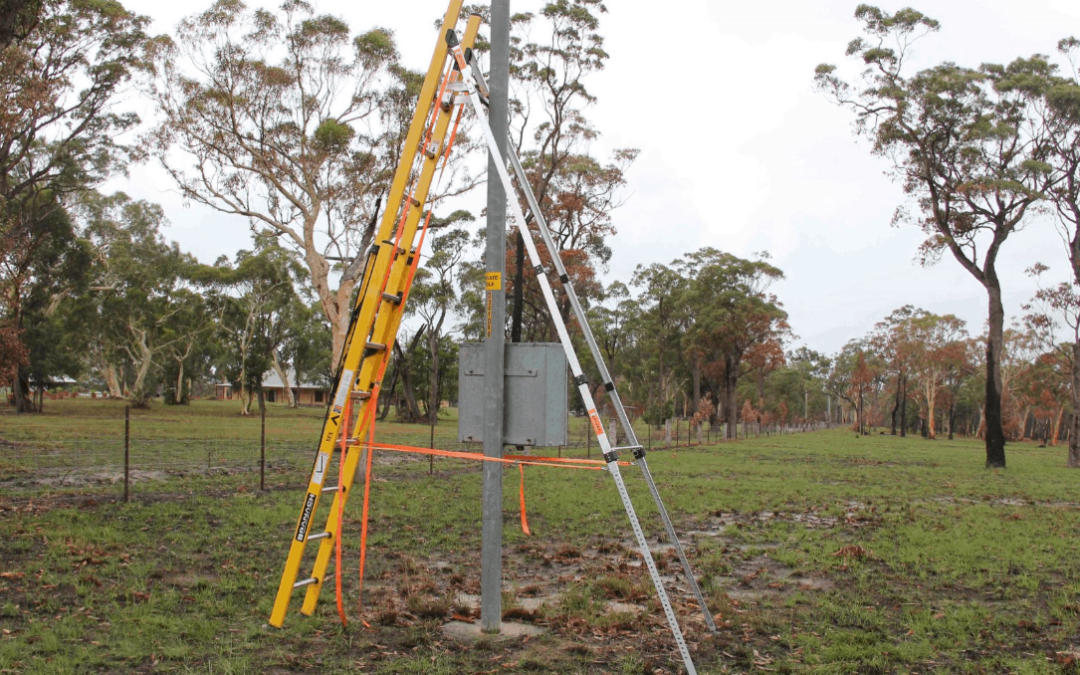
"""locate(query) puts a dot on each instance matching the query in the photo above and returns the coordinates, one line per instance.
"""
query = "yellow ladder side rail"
(385, 332)
(369, 303)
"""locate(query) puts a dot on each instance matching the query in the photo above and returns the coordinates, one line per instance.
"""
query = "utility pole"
(491, 528)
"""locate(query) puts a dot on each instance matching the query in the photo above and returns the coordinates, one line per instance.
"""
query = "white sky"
(737, 150)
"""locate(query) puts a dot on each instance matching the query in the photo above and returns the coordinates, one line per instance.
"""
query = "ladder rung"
(429, 152)
(311, 580)
(390, 242)
(392, 297)
(361, 395)
(320, 535)
(375, 346)
(326, 490)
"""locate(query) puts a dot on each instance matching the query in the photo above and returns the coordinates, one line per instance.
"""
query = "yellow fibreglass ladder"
(376, 316)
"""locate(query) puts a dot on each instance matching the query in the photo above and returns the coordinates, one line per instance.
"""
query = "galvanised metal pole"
(495, 330)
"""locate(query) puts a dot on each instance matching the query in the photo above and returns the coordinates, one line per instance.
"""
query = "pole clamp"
(581, 379)
(611, 456)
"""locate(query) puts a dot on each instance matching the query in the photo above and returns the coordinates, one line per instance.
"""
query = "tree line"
(290, 122)
(981, 152)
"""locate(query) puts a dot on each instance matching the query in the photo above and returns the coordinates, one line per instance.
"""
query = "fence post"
(262, 451)
(127, 452)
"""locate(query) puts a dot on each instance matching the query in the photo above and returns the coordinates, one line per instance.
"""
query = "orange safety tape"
(447, 78)
(453, 133)
(340, 512)
(507, 459)
(521, 494)
(364, 511)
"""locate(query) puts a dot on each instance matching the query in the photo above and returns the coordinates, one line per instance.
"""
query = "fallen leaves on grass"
(854, 551)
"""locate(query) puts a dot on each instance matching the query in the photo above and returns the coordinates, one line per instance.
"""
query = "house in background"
(305, 393)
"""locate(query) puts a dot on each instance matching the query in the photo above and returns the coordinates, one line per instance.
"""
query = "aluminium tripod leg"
(609, 385)
(610, 456)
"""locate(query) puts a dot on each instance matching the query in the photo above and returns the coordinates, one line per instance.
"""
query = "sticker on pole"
(321, 462)
(343, 390)
(597, 427)
(488, 322)
(493, 281)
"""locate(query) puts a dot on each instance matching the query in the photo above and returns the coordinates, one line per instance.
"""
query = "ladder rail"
(361, 324)
(385, 331)
(610, 456)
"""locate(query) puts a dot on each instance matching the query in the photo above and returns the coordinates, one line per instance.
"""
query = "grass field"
(820, 553)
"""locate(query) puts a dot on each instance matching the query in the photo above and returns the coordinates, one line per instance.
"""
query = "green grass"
(820, 553)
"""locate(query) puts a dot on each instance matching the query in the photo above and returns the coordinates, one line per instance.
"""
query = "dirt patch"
(78, 478)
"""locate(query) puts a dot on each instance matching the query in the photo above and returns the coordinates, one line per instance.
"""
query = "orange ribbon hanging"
(521, 494)
(341, 511)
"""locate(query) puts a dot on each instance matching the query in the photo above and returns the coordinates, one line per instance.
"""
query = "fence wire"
(34, 466)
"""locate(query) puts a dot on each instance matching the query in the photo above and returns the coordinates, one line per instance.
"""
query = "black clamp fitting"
(639, 452)
(611, 456)
(581, 379)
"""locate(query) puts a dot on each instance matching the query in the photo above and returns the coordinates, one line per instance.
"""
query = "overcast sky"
(737, 150)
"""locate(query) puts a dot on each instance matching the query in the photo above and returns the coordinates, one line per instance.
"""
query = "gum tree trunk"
(992, 417)
(731, 379)
(1074, 430)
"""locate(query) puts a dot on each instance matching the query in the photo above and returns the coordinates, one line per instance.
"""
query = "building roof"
(272, 381)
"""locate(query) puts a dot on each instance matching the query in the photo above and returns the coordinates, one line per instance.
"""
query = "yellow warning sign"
(494, 281)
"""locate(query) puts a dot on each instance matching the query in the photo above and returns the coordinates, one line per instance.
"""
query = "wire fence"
(136, 458)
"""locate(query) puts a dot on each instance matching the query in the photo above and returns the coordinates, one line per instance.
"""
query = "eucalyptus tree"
(18, 19)
(732, 313)
(292, 122)
(262, 313)
(554, 54)
(1053, 319)
(968, 150)
(432, 299)
(39, 269)
(660, 331)
(1058, 100)
(63, 66)
(146, 292)
(939, 347)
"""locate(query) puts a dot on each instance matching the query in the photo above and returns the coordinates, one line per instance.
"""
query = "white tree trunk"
(283, 373)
